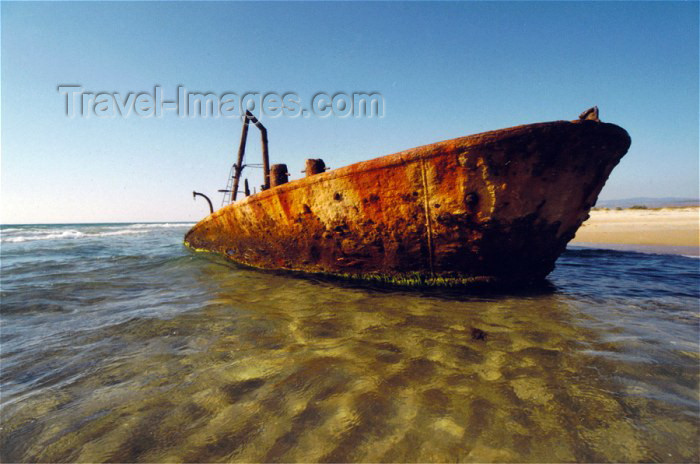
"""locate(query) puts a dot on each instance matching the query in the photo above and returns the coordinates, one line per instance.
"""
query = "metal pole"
(239, 163)
(265, 154)
(266, 159)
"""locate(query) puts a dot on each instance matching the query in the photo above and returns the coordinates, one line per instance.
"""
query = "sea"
(119, 344)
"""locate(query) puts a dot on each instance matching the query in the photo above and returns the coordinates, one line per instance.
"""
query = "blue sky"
(445, 70)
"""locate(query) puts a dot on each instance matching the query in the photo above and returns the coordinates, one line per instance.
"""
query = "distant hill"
(648, 202)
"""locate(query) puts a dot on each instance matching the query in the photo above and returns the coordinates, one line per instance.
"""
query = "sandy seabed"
(672, 227)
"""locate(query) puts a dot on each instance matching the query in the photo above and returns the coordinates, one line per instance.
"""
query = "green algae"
(412, 279)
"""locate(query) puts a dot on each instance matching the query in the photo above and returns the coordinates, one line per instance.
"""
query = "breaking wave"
(29, 234)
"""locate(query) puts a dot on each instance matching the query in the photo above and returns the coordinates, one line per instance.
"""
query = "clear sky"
(444, 69)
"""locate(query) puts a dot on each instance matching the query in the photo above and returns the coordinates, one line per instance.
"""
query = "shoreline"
(660, 230)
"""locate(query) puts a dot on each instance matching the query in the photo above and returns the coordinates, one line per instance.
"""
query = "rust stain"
(428, 223)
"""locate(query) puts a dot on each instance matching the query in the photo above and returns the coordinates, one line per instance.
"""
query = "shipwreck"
(496, 207)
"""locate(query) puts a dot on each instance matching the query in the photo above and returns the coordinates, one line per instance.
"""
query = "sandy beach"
(678, 227)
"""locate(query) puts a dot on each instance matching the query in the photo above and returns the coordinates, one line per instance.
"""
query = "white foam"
(51, 236)
(29, 235)
(158, 226)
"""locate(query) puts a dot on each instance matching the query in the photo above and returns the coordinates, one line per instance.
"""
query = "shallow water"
(119, 344)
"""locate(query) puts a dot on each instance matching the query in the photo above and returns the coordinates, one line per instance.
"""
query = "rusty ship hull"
(493, 207)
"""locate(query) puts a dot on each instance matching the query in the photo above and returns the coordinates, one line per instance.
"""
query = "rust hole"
(472, 199)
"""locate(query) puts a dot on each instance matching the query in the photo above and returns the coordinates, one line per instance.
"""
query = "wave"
(33, 234)
(165, 225)
(52, 236)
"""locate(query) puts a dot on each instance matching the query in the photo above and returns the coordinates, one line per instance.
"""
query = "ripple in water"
(127, 347)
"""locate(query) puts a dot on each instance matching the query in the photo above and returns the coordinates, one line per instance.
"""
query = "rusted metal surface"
(497, 206)
(314, 166)
(590, 114)
(278, 175)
